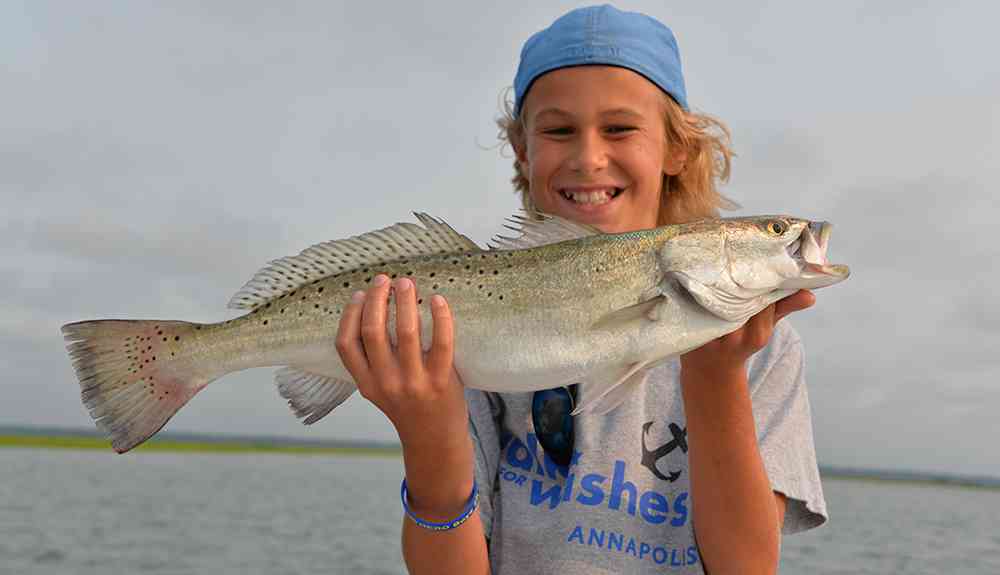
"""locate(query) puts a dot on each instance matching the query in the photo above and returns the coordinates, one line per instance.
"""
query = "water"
(888, 528)
(161, 513)
(96, 512)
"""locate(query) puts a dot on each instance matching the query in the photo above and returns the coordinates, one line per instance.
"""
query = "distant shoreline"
(56, 438)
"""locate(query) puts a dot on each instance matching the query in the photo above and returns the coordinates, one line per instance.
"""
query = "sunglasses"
(551, 414)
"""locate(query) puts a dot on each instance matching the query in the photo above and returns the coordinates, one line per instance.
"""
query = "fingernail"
(403, 284)
(437, 301)
(380, 279)
(358, 297)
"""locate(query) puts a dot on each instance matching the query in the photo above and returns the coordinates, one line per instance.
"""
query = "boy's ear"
(676, 161)
(521, 153)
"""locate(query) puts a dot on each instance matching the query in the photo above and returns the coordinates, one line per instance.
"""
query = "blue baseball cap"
(603, 35)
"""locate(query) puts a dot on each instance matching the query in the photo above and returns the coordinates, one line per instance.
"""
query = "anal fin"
(311, 396)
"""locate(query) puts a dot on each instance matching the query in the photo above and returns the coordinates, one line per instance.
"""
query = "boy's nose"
(590, 154)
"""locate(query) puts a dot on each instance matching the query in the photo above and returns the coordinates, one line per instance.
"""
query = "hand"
(730, 352)
(419, 393)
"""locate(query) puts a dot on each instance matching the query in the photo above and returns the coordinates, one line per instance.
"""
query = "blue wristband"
(470, 506)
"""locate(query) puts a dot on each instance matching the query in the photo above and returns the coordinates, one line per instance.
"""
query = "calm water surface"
(162, 513)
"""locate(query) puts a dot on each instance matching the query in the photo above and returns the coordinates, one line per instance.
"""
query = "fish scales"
(561, 304)
(485, 290)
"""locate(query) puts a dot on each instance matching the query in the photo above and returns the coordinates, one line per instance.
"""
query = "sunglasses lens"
(551, 415)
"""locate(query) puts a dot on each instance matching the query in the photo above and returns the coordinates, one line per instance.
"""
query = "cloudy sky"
(154, 155)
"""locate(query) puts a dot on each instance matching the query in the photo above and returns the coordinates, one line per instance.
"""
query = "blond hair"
(690, 195)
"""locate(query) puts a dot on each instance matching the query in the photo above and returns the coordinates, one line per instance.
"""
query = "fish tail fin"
(134, 374)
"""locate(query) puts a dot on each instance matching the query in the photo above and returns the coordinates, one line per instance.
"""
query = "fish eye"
(777, 227)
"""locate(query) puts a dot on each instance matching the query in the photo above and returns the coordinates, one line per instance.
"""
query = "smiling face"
(595, 147)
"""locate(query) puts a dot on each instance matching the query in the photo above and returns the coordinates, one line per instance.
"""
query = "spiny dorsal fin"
(537, 229)
(329, 258)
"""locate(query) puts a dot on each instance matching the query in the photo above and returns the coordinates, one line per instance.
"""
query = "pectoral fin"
(648, 310)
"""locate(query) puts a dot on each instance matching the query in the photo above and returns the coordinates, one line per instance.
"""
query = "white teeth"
(589, 196)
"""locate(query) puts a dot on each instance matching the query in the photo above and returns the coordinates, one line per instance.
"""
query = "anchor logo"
(650, 457)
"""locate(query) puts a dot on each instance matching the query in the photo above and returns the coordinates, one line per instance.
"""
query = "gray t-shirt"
(624, 504)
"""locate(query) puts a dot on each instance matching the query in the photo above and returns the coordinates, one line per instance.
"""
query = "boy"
(701, 470)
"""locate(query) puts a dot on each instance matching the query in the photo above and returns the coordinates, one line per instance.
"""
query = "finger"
(760, 327)
(408, 329)
(439, 358)
(798, 301)
(349, 346)
(373, 327)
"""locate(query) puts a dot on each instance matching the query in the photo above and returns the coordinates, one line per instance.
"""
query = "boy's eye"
(620, 129)
(558, 131)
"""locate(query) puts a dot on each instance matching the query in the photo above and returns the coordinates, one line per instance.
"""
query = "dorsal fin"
(329, 258)
(537, 229)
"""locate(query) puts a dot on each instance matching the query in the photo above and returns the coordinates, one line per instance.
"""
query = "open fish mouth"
(809, 253)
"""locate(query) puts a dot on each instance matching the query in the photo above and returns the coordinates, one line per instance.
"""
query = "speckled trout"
(553, 304)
